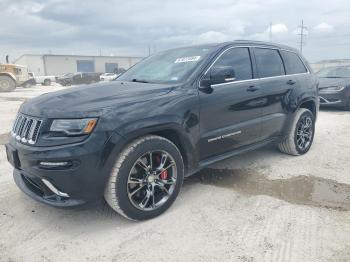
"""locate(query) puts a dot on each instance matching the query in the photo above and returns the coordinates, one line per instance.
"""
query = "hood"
(91, 100)
(327, 82)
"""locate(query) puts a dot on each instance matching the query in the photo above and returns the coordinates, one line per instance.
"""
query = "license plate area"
(12, 156)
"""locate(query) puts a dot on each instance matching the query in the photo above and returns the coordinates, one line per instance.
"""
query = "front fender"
(10, 75)
(166, 126)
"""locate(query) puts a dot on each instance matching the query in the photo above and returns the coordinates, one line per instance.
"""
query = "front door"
(230, 113)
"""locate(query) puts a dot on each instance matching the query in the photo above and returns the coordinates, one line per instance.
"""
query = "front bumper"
(82, 181)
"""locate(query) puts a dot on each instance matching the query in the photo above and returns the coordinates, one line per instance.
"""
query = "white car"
(108, 76)
(44, 80)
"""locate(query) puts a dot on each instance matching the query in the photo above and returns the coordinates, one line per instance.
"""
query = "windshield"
(335, 72)
(170, 66)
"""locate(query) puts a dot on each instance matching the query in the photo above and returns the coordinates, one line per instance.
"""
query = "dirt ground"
(260, 206)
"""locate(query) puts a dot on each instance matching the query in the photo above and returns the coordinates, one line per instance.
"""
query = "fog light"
(55, 164)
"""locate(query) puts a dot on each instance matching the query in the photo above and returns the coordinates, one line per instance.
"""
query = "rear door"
(276, 87)
(230, 113)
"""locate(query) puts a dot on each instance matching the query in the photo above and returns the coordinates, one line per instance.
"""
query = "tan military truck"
(11, 76)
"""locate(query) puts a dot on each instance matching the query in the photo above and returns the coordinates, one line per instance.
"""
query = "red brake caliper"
(164, 174)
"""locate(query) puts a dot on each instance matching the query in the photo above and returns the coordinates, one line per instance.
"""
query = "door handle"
(252, 88)
(291, 82)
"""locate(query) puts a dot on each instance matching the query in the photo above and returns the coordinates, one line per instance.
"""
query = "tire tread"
(287, 145)
(110, 191)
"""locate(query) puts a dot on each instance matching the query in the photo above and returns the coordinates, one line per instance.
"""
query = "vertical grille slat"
(23, 129)
(29, 126)
(15, 125)
(21, 125)
(36, 131)
(26, 129)
(18, 124)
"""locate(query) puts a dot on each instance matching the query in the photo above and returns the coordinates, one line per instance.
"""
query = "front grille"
(26, 129)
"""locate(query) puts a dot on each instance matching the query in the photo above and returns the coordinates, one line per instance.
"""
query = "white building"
(62, 64)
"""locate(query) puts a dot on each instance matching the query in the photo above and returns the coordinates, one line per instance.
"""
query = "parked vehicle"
(11, 76)
(334, 88)
(44, 80)
(78, 79)
(134, 140)
(108, 77)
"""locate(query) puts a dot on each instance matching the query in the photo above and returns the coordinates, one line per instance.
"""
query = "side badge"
(224, 136)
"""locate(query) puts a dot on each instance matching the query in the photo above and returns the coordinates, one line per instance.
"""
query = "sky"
(137, 27)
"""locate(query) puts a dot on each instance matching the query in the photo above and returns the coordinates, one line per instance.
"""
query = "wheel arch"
(309, 104)
(174, 132)
(10, 75)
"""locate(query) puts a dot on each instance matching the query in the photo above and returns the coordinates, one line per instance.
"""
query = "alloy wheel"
(152, 180)
(304, 132)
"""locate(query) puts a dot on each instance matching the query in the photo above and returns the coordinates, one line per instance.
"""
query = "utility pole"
(302, 35)
(270, 32)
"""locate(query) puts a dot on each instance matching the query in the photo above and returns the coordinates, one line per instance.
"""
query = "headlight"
(333, 89)
(74, 127)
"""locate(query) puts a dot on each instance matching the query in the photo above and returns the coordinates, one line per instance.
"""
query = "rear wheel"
(300, 135)
(146, 178)
(7, 84)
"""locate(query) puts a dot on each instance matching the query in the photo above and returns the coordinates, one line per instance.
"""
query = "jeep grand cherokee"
(135, 139)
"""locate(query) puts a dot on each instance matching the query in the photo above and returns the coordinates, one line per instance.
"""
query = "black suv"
(134, 140)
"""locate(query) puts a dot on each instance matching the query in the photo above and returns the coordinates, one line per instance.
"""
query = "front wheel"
(301, 134)
(146, 178)
(7, 84)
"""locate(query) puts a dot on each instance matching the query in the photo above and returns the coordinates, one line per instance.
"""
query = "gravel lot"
(260, 206)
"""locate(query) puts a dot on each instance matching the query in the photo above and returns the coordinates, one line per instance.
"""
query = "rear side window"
(239, 59)
(269, 62)
(293, 63)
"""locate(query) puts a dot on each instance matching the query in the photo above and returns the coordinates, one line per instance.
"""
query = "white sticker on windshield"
(187, 59)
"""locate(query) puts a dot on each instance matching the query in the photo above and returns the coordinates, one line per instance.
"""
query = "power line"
(302, 36)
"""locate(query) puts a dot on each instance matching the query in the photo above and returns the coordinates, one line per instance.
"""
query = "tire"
(7, 84)
(291, 144)
(118, 192)
(47, 82)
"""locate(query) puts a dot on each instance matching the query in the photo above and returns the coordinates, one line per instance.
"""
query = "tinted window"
(269, 62)
(239, 59)
(293, 63)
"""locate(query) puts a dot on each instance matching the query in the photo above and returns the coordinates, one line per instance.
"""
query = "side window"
(239, 59)
(269, 62)
(293, 63)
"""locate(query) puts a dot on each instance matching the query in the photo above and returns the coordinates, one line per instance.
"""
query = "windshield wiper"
(139, 81)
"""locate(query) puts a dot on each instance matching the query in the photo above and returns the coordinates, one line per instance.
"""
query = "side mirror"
(222, 74)
(217, 75)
